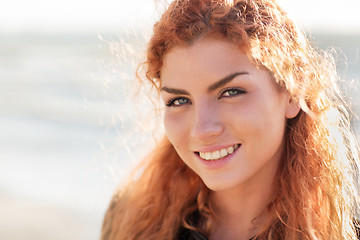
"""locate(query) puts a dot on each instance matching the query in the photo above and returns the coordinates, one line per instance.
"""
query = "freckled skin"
(253, 117)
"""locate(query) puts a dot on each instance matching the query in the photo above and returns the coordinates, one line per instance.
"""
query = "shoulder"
(112, 215)
(108, 220)
(357, 228)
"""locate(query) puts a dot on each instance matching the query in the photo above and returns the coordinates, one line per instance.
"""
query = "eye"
(177, 101)
(232, 92)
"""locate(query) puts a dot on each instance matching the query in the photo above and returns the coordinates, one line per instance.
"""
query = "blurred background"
(70, 124)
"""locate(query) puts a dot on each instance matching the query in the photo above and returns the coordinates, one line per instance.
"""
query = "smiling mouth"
(210, 156)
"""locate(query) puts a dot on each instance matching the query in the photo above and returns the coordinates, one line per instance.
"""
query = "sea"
(73, 123)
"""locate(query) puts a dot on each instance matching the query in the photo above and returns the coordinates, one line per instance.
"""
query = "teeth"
(230, 150)
(223, 152)
(215, 155)
(219, 153)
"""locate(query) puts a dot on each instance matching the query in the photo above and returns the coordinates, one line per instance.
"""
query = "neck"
(240, 212)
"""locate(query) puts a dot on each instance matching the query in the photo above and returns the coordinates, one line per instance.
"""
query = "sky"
(110, 15)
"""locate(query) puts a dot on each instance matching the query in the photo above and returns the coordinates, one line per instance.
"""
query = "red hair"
(314, 196)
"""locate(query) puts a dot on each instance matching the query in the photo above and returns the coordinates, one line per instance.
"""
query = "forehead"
(212, 58)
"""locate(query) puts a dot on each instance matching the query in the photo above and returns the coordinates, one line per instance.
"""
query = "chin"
(219, 185)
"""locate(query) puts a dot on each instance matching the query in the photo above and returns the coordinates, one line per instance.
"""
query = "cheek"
(269, 127)
(175, 127)
(258, 118)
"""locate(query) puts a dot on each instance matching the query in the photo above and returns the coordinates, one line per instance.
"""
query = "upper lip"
(213, 148)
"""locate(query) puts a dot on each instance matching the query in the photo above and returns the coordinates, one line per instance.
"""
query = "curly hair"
(315, 196)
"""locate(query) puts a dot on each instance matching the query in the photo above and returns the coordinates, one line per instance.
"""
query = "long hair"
(315, 195)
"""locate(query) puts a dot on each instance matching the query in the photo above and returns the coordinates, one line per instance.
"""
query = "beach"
(71, 128)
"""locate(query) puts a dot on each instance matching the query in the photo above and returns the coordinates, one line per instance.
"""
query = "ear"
(292, 108)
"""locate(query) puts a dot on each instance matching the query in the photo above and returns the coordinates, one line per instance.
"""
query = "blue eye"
(177, 101)
(232, 92)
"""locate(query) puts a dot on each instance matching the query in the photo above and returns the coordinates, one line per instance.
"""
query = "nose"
(207, 123)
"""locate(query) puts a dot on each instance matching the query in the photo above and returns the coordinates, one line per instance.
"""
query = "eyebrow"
(211, 88)
(225, 80)
(175, 91)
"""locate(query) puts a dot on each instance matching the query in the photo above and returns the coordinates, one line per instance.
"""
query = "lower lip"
(219, 163)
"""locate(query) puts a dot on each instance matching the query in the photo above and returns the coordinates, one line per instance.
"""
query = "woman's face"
(224, 116)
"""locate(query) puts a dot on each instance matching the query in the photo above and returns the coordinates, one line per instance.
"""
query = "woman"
(258, 142)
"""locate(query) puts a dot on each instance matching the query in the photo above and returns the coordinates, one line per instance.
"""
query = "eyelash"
(238, 92)
(171, 101)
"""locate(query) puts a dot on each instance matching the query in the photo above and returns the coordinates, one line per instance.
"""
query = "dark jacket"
(187, 234)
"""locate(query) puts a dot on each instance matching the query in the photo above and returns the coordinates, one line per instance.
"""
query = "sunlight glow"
(109, 15)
